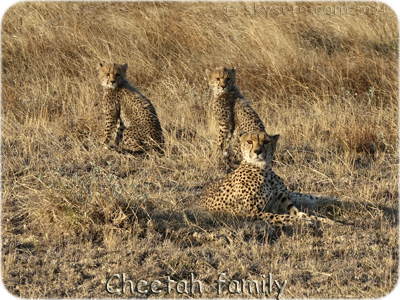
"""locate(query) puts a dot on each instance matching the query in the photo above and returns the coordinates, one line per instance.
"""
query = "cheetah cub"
(139, 127)
(255, 190)
(233, 113)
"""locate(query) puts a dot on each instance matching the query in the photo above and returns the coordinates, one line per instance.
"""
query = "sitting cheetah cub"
(139, 127)
(254, 189)
(233, 112)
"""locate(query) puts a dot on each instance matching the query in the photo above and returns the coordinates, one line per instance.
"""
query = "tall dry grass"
(73, 214)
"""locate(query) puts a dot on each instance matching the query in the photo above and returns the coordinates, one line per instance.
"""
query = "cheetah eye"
(267, 142)
(107, 74)
(250, 142)
(218, 79)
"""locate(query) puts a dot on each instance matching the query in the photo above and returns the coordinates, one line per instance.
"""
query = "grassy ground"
(74, 214)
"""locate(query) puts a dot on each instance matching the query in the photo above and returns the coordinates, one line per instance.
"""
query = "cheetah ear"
(125, 66)
(99, 66)
(208, 73)
(233, 71)
(275, 137)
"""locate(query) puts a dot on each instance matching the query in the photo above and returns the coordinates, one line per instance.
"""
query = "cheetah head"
(112, 75)
(258, 148)
(221, 80)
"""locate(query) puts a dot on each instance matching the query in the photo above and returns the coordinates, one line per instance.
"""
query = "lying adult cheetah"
(139, 127)
(233, 112)
(255, 190)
